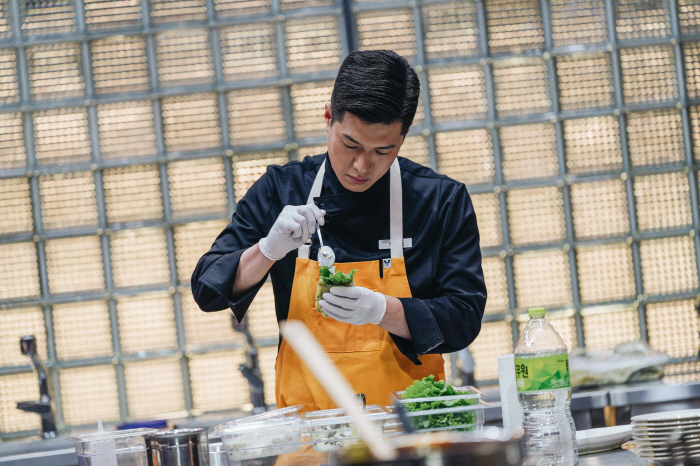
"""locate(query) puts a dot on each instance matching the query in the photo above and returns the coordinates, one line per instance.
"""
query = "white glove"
(354, 305)
(293, 228)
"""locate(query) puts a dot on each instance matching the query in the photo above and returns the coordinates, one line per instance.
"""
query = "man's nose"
(363, 164)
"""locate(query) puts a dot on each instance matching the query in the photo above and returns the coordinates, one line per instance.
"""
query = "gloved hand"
(354, 305)
(293, 228)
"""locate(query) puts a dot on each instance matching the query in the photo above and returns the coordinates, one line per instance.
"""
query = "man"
(411, 233)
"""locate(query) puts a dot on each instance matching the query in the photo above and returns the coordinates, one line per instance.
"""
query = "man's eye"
(350, 147)
(382, 153)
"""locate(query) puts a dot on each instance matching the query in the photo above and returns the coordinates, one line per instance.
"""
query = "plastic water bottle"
(544, 391)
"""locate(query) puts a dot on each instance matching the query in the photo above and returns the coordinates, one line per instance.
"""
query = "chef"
(411, 233)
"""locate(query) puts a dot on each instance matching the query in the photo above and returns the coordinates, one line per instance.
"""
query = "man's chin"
(357, 188)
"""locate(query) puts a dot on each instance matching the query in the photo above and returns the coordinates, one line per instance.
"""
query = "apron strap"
(395, 208)
(303, 251)
(318, 184)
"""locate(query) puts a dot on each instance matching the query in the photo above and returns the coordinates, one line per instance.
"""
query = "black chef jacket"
(443, 264)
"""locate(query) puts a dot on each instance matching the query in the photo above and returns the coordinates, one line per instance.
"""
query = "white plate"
(603, 439)
(663, 435)
(687, 422)
(666, 421)
(680, 415)
(659, 448)
(666, 427)
(662, 441)
(656, 453)
(664, 454)
(692, 459)
(662, 429)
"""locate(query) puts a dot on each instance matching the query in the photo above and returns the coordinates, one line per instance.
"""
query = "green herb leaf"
(336, 279)
(428, 387)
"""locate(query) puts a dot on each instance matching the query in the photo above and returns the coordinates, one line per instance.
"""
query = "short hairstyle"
(377, 86)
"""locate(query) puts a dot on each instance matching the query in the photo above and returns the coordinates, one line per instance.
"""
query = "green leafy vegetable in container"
(332, 437)
(429, 388)
(329, 279)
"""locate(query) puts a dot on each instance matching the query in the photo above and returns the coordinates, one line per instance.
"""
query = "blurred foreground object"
(43, 406)
(495, 447)
(634, 361)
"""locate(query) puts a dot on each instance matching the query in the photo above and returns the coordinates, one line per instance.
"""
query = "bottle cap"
(536, 312)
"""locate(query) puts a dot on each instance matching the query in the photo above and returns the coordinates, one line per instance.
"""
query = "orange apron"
(366, 354)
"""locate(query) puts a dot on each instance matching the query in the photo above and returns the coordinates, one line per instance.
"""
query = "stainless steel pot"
(182, 447)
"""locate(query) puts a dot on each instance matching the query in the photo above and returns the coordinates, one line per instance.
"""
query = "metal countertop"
(624, 395)
(616, 396)
(656, 392)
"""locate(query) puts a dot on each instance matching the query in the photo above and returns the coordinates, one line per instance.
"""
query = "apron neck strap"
(395, 208)
(318, 184)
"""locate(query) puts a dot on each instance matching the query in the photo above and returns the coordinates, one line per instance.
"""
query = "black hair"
(377, 86)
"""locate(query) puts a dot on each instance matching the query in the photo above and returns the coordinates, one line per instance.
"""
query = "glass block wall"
(129, 130)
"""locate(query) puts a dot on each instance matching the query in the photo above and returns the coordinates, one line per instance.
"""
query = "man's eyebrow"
(348, 137)
(390, 146)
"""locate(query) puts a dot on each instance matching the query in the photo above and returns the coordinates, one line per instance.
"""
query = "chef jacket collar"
(338, 200)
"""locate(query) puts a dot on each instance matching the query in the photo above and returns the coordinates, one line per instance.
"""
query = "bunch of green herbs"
(336, 279)
(429, 388)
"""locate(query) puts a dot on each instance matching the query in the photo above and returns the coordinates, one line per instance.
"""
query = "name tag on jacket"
(386, 243)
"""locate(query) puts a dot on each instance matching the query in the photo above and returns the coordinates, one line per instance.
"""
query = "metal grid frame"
(26, 106)
(346, 12)
(619, 110)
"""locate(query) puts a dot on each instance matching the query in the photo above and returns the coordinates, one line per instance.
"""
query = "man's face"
(361, 153)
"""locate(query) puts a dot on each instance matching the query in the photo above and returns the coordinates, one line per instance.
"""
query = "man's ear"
(328, 115)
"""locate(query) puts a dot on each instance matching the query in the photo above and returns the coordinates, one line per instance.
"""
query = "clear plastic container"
(330, 429)
(272, 417)
(469, 418)
(217, 454)
(441, 412)
(264, 435)
(267, 416)
(115, 448)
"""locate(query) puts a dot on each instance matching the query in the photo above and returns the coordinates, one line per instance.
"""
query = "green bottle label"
(545, 373)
